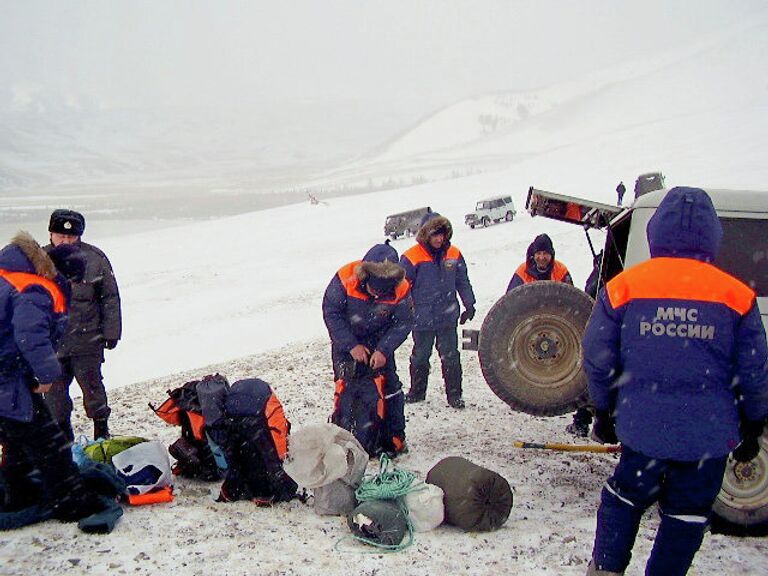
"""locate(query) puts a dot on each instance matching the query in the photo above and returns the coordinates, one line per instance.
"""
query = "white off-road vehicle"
(496, 209)
(529, 344)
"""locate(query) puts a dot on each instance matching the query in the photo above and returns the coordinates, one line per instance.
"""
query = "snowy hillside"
(655, 112)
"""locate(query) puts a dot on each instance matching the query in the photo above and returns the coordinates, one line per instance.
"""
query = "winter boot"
(100, 429)
(452, 377)
(582, 419)
(418, 390)
(593, 571)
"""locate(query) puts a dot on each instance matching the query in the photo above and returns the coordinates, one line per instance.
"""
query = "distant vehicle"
(490, 210)
(648, 183)
(405, 223)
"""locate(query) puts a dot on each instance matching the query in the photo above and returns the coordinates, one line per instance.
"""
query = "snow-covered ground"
(241, 295)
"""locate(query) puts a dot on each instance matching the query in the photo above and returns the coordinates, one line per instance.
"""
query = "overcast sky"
(430, 52)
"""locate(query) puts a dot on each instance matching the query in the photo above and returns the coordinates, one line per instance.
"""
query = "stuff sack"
(425, 507)
(143, 467)
(379, 522)
(255, 444)
(104, 450)
(476, 499)
(359, 405)
(331, 462)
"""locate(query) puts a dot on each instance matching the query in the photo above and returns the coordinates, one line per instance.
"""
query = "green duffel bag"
(476, 499)
(104, 450)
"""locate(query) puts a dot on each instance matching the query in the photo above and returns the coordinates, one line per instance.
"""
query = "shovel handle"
(598, 448)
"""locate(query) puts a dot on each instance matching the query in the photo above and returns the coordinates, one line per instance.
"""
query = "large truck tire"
(530, 348)
(741, 508)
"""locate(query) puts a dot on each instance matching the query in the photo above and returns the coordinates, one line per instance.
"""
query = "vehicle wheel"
(741, 508)
(530, 348)
(509, 216)
(486, 221)
(472, 226)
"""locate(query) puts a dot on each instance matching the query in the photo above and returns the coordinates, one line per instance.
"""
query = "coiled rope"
(390, 483)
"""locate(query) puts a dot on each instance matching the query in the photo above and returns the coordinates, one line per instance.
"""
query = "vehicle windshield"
(482, 205)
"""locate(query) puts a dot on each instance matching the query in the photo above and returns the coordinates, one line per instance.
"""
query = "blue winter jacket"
(354, 317)
(436, 278)
(32, 318)
(676, 347)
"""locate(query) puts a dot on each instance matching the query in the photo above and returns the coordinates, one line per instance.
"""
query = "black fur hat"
(64, 221)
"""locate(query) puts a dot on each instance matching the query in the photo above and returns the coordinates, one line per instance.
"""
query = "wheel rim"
(508, 216)
(539, 345)
(745, 484)
(486, 221)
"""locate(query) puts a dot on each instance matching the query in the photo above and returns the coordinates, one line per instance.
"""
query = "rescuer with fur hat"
(95, 324)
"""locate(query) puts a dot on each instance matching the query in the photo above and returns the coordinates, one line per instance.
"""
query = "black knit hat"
(542, 243)
(65, 221)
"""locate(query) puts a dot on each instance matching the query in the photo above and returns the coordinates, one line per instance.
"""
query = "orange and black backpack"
(238, 432)
(192, 451)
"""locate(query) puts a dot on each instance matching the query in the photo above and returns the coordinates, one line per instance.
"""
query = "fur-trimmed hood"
(431, 226)
(24, 254)
(390, 272)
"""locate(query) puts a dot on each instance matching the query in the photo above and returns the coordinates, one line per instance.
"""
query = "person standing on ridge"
(620, 190)
(437, 272)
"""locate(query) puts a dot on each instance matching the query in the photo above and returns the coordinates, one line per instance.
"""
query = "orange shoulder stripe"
(417, 254)
(680, 279)
(350, 281)
(522, 271)
(559, 271)
(23, 280)
(453, 253)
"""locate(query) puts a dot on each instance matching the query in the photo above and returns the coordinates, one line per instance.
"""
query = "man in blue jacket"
(37, 464)
(436, 271)
(368, 311)
(676, 356)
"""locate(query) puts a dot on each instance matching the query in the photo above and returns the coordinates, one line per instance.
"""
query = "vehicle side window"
(744, 252)
(615, 249)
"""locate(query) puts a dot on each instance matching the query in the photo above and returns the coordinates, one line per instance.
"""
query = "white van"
(496, 209)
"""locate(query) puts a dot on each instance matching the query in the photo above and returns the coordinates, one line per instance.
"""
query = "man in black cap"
(94, 324)
(540, 264)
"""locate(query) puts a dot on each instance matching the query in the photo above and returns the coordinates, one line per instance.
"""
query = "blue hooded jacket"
(32, 318)
(353, 316)
(675, 347)
(436, 277)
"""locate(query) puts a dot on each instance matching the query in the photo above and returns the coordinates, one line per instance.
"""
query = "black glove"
(604, 428)
(749, 447)
(468, 314)
(110, 344)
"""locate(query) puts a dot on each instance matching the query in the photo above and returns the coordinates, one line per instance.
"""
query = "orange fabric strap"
(23, 280)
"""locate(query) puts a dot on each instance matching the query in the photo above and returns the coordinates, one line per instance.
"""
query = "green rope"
(389, 484)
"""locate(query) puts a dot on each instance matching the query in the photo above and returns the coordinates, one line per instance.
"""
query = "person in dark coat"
(620, 190)
(94, 325)
(540, 264)
(677, 362)
(37, 467)
(437, 272)
(368, 310)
